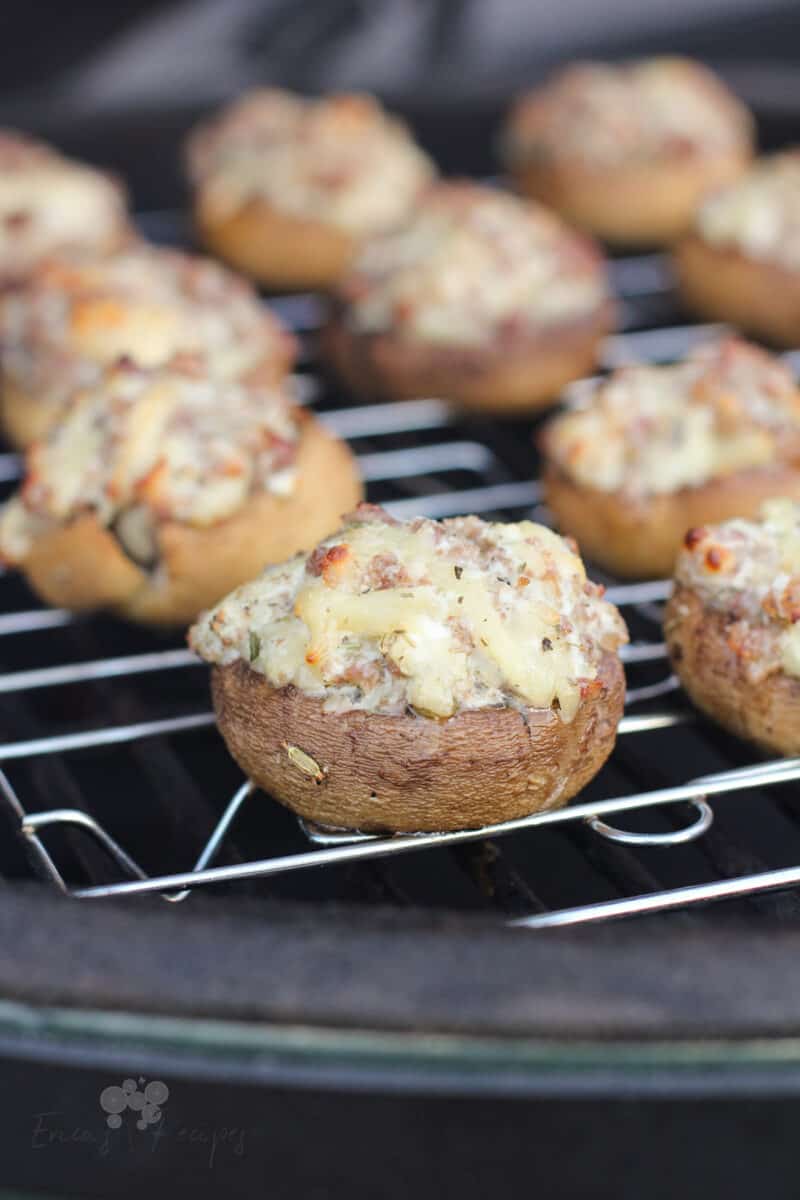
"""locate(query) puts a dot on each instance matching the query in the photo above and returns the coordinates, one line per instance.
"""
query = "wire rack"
(417, 458)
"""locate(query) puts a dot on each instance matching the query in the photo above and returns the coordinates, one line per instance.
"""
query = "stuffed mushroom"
(732, 625)
(49, 204)
(286, 186)
(419, 676)
(77, 314)
(627, 151)
(641, 456)
(159, 490)
(740, 262)
(479, 298)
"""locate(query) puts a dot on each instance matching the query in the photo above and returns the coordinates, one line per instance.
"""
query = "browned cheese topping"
(435, 616)
(605, 115)
(473, 265)
(49, 203)
(78, 314)
(144, 446)
(759, 215)
(750, 570)
(341, 160)
(645, 430)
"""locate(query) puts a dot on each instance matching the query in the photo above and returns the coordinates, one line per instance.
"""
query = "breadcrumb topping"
(750, 570)
(645, 430)
(433, 616)
(610, 115)
(146, 446)
(341, 160)
(473, 265)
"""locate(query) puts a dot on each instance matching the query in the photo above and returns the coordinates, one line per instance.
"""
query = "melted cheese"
(473, 265)
(49, 203)
(439, 617)
(760, 214)
(147, 446)
(635, 112)
(341, 160)
(790, 651)
(77, 314)
(750, 570)
(651, 430)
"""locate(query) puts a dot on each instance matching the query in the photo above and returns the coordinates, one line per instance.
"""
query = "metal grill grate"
(108, 754)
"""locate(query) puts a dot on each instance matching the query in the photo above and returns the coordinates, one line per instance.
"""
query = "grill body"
(378, 1023)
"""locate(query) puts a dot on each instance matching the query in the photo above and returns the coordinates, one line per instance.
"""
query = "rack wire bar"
(421, 460)
(643, 652)
(641, 275)
(381, 465)
(664, 901)
(652, 721)
(10, 467)
(34, 620)
(111, 736)
(483, 499)
(655, 590)
(656, 345)
(103, 668)
(652, 691)
(372, 420)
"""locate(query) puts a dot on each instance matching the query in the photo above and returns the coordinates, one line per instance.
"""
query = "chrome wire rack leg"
(39, 855)
(31, 823)
(214, 843)
(34, 822)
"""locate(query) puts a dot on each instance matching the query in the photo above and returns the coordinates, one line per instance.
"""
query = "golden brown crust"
(640, 539)
(721, 284)
(411, 773)
(83, 566)
(523, 379)
(714, 676)
(652, 204)
(280, 251)
(26, 418)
